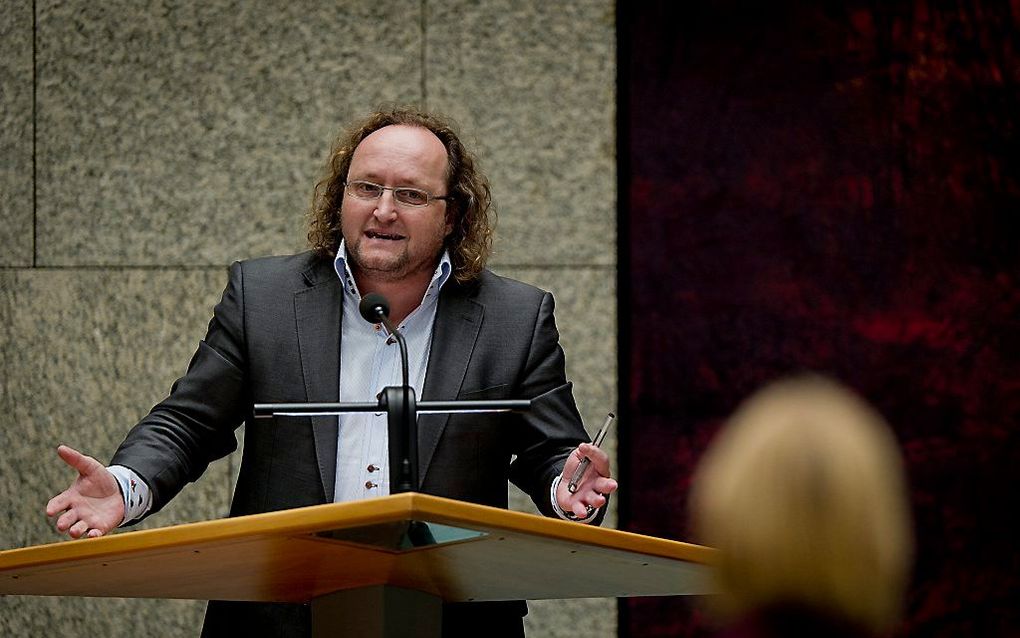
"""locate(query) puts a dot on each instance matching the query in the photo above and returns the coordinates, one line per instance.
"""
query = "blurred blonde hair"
(804, 495)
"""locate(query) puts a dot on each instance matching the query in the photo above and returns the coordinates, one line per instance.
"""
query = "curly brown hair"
(474, 218)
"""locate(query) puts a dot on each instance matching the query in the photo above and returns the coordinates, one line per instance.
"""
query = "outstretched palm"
(93, 504)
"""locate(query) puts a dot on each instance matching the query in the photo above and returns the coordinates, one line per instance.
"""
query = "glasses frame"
(429, 197)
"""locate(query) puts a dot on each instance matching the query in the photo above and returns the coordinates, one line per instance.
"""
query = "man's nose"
(386, 207)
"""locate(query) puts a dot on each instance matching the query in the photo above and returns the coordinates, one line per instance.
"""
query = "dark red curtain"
(834, 188)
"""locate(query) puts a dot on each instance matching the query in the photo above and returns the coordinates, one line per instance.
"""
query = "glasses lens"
(365, 190)
(411, 196)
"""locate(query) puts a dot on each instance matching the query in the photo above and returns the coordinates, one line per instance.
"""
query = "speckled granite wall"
(535, 83)
(84, 353)
(16, 133)
(191, 135)
(172, 140)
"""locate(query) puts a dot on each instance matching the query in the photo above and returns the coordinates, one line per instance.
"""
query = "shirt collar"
(343, 270)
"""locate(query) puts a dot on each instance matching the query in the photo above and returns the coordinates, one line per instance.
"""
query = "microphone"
(374, 308)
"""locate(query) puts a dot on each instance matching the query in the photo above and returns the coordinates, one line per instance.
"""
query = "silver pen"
(585, 462)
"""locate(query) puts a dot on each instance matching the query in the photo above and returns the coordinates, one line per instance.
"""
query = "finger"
(580, 510)
(78, 529)
(58, 504)
(571, 463)
(66, 520)
(95, 533)
(68, 454)
(594, 499)
(84, 464)
(593, 481)
(582, 507)
(581, 452)
(605, 485)
(598, 456)
(595, 493)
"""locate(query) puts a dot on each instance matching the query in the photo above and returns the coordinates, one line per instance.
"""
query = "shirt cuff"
(568, 516)
(136, 493)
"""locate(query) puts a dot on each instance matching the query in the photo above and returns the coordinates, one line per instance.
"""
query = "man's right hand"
(93, 505)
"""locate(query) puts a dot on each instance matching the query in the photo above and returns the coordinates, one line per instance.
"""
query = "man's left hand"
(593, 487)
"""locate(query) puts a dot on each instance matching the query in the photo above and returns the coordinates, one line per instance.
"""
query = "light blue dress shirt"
(369, 362)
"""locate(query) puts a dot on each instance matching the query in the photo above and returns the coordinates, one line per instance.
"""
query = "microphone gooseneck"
(374, 308)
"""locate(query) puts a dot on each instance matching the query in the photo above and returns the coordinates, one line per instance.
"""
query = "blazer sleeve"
(194, 425)
(553, 426)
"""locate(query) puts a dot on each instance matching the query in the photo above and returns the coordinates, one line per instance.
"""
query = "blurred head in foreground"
(803, 493)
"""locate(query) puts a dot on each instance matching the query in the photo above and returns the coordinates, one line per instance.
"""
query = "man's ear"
(451, 218)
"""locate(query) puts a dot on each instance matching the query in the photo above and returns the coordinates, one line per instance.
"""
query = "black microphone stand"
(403, 432)
(399, 404)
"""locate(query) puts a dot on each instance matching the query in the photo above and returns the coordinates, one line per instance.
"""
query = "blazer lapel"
(318, 312)
(458, 320)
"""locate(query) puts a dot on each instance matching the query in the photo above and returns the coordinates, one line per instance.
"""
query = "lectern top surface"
(475, 553)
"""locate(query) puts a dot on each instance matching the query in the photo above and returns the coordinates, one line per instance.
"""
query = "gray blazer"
(275, 337)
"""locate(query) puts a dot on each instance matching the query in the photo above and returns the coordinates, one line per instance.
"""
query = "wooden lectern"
(379, 567)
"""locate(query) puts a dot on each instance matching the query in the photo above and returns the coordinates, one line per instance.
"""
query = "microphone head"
(373, 307)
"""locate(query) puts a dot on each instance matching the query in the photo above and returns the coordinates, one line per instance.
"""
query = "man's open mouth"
(374, 234)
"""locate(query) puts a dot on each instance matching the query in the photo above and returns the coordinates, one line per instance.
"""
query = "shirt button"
(373, 468)
(369, 485)
(378, 327)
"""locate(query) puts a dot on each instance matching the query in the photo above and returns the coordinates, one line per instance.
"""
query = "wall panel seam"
(35, 128)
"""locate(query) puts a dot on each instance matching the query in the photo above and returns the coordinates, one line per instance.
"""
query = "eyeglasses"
(412, 197)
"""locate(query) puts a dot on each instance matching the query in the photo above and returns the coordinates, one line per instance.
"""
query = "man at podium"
(404, 212)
